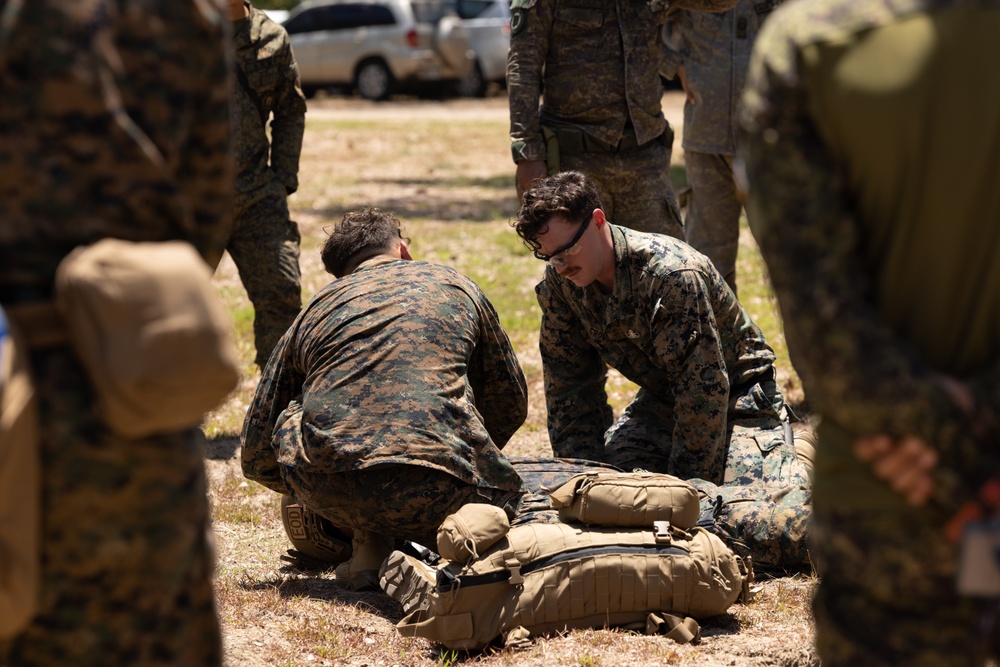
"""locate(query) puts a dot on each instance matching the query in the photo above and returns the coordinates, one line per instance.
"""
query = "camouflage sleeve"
(854, 369)
(672, 45)
(686, 341)
(578, 410)
(206, 172)
(279, 384)
(529, 43)
(498, 383)
(289, 121)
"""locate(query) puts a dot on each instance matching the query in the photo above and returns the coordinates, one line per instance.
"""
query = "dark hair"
(568, 194)
(359, 235)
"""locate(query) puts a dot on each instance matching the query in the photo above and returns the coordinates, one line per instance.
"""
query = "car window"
(470, 9)
(346, 16)
(430, 12)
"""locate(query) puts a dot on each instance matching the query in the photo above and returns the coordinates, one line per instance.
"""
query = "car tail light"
(412, 38)
(506, 27)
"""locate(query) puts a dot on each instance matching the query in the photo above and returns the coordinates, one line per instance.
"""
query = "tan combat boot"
(370, 550)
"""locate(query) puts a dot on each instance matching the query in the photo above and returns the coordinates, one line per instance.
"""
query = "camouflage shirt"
(398, 362)
(671, 325)
(715, 52)
(264, 54)
(137, 147)
(873, 193)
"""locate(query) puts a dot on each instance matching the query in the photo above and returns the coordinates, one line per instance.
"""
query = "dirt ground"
(276, 615)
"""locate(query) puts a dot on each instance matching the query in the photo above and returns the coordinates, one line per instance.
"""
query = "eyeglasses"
(568, 250)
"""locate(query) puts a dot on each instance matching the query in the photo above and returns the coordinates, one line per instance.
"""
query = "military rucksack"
(543, 577)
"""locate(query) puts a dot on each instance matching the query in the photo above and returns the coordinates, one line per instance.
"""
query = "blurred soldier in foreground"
(710, 54)
(658, 312)
(264, 242)
(873, 157)
(389, 399)
(598, 66)
(114, 123)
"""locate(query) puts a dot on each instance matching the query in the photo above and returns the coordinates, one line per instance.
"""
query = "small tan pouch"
(147, 324)
(627, 499)
(471, 530)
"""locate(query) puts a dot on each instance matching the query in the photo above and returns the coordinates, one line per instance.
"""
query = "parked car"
(378, 46)
(488, 23)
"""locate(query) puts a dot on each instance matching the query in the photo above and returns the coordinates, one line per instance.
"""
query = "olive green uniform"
(874, 166)
(265, 242)
(114, 123)
(598, 64)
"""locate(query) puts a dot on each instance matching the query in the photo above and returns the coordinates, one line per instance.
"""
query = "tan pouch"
(627, 499)
(470, 531)
(20, 487)
(149, 328)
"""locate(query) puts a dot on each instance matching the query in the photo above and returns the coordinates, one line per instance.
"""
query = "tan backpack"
(544, 577)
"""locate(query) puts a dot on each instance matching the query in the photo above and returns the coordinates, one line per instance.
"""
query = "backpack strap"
(681, 629)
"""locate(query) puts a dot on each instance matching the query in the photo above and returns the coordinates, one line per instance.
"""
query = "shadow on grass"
(320, 587)
(221, 448)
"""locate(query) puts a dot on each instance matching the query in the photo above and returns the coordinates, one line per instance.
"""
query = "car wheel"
(473, 84)
(373, 80)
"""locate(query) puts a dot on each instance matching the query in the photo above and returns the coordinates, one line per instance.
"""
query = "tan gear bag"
(548, 577)
(608, 498)
(148, 326)
(20, 486)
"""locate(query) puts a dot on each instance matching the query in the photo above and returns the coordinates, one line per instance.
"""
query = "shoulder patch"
(518, 19)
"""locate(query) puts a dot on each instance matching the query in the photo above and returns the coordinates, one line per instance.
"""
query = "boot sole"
(408, 581)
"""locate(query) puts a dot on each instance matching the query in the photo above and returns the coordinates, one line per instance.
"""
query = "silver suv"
(378, 46)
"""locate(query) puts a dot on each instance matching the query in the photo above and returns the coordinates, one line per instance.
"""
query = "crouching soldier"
(385, 405)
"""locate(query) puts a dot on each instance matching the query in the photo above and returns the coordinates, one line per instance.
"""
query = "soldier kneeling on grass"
(384, 407)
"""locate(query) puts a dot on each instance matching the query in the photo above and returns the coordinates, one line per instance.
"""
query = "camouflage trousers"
(759, 448)
(887, 593)
(126, 556)
(634, 187)
(406, 502)
(712, 224)
(264, 245)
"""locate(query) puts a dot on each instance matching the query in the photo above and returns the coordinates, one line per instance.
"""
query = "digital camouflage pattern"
(265, 241)
(115, 122)
(714, 49)
(873, 232)
(612, 48)
(399, 362)
(672, 326)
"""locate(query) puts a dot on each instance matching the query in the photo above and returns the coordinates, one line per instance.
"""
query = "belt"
(40, 323)
(573, 141)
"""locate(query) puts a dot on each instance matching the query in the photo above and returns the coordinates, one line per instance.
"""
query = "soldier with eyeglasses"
(659, 312)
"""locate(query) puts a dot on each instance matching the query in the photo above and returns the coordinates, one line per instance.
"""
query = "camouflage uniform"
(873, 193)
(398, 376)
(265, 241)
(612, 49)
(114, 123)
(715, 52)
(708, 405)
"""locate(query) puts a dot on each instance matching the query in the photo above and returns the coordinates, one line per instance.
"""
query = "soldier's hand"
(529, 171)
(905, 464)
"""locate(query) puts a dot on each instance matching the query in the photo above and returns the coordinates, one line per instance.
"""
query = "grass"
(451, 183)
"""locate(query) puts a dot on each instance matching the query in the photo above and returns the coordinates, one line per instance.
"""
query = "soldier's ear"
(404, 251)
(599, 218)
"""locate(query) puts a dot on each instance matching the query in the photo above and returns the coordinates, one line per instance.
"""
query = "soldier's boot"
(370, 550)
(408, 580)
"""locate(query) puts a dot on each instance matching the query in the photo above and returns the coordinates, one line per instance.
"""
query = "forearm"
(287, 128)
(525, 65)
(497, 380)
